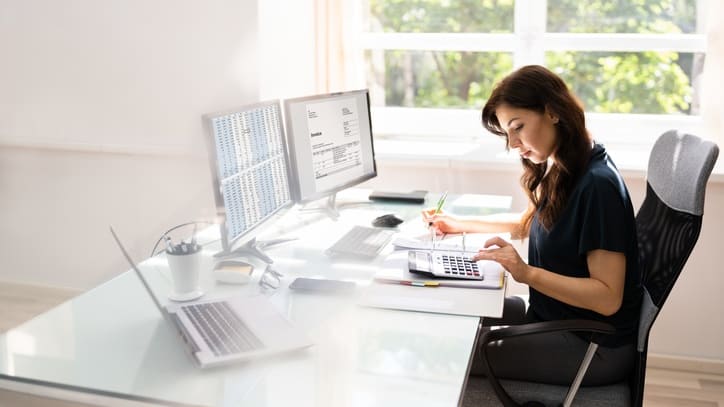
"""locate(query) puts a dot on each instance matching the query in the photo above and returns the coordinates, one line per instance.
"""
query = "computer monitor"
(250, 172)
(330, 145)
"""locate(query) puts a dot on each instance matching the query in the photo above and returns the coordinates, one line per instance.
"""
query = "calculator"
(442, 264)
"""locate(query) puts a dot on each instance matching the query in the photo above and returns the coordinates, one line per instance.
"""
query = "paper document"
(411, 243)
(473, 242)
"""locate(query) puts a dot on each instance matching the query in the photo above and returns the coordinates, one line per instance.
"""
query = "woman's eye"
(519, 128)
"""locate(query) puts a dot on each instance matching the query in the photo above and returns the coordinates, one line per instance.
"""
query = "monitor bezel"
(228, 243)
(292, 147)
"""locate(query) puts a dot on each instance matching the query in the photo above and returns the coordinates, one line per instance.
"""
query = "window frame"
(528, 44)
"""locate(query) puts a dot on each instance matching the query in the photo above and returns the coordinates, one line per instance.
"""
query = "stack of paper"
(393, 289)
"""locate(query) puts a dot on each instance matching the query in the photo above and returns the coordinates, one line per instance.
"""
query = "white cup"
(185, 275)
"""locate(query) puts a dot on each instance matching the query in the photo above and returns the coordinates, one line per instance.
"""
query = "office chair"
(668, 225)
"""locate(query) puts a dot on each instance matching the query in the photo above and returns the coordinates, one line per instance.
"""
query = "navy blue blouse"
(599, 215)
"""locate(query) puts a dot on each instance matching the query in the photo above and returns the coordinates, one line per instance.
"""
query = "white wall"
(100, 123)
(286, 51)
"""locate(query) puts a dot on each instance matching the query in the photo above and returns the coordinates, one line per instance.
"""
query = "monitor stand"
(332, 208)
(254, 248)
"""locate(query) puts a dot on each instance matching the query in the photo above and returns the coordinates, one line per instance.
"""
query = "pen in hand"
(440, 204)
(438, 207)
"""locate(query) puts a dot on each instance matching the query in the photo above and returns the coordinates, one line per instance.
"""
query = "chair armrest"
(535, 328)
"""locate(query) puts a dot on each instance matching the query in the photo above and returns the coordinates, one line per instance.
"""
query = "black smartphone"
(321, 285)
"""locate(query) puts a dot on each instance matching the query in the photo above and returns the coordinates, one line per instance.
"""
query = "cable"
(196, 222)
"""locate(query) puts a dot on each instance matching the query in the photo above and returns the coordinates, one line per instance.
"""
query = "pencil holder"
(185, 266)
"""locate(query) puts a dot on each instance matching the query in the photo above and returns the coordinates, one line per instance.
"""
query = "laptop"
(223, 331)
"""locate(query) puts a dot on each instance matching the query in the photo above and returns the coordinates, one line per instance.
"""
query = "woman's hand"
(443, 223)
(505, 254)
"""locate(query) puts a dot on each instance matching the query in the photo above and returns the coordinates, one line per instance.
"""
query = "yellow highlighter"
(425, 283)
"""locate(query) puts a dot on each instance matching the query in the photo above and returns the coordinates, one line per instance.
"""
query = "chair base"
(478, 392)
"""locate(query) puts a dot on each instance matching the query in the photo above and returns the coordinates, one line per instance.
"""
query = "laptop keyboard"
(362, 241)
(222, 330)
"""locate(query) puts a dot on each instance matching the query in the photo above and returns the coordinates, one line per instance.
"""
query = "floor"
(664, 388)
(19, 303)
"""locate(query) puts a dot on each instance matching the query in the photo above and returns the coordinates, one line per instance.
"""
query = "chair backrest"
(668, 225)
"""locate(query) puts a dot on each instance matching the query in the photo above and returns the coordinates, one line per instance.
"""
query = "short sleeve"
(605, 221)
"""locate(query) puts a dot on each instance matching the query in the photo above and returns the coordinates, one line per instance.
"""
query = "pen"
(408, 282)
(440, 204)
(193, 235)
(169, 245)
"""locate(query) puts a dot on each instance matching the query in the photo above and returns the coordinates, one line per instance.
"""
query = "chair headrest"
(679, 168)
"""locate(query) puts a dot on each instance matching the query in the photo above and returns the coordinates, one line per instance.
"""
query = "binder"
(443, 299)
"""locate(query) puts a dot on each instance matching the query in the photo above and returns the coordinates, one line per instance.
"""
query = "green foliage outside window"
(607, 82)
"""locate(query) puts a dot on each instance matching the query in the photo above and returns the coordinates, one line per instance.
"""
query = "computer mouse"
(387, 221)
(232, 272)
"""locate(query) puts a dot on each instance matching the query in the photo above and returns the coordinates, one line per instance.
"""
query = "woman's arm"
(602, 292)
(496, 223)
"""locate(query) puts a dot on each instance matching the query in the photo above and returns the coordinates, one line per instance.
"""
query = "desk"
(110, 345)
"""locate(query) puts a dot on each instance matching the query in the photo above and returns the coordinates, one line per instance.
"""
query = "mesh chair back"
(668, 225)
(666, 238)
(669, 220)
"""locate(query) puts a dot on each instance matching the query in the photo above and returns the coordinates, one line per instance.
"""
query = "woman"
(582, 253)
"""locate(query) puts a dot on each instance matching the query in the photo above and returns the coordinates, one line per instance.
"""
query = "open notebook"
(228, 330)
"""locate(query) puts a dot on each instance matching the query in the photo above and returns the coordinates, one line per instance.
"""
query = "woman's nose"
(513, 142)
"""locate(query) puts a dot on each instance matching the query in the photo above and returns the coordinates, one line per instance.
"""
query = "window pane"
(622, 16)
(631, 82)
(439, 16)
(434, 79)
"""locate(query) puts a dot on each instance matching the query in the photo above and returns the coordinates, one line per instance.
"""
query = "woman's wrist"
(530, 275)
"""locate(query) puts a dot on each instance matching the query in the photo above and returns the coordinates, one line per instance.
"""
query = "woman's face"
(531, 133)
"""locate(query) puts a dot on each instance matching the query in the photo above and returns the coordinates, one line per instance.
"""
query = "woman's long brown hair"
(536, 88)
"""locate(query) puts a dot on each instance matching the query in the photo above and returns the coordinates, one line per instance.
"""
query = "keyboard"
(362, 241)
(221, 328)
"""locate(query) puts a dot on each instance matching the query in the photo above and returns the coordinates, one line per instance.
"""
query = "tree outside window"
(649, 82)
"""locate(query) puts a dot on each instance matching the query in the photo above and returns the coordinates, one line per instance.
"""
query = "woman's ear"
(551, 115)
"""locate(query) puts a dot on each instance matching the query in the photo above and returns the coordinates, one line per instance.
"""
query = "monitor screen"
(330, 143)
(249, 167)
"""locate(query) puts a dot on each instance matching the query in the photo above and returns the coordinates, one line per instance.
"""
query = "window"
(437, 60)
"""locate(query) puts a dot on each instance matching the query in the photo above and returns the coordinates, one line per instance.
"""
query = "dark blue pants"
(551, 358)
